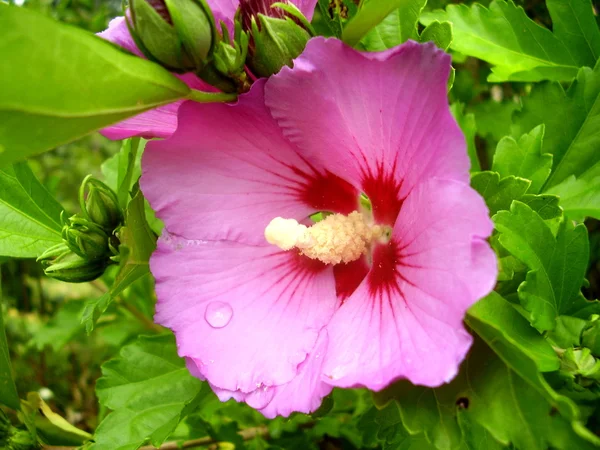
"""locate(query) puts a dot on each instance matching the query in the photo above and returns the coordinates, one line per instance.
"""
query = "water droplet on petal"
(218, 314)
(261, 397)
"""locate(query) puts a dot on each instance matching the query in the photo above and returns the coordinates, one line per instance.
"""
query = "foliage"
(84, 366)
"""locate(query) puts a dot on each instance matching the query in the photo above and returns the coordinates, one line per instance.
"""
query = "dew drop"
(218, 314)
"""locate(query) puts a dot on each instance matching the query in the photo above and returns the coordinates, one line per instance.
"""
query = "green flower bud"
(85, 238)
(53, 253)
(101, 205)
(229, 56)
(279, 33)
(72, 268)
(178, 34)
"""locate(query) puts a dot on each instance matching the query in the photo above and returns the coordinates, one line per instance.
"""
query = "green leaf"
(580, 198)
(61, 328)
(545, 205)
(518, 48)
(124, 169)
(440, 33)
(499, 193)
(8, 390)
(60, 83)
(488, 394)
(496, 320)
(466, 122)
(137, 244)
(524, 158)
(368, 17)
(573, 20)
(572, 136)
(331, 15)
(148, 388)
(398, 27)
(29, 215)
(493, 118)
(567, 332)
(557, 264)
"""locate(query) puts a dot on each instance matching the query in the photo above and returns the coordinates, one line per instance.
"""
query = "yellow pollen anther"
(334, 240)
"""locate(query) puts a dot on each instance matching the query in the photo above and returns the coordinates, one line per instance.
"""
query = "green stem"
(211, 97)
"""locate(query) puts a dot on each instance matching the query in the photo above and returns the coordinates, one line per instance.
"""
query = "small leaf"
(572, 136)
(545, 205)
(524, 158)
(137, 244)
(557, 264)
(440, 33)
(398, 27)
(499, 193)
(466, 122)
(29, 215)
(518, 48)
(580, 198)
(148, 387)
(60, 83)
(368, 17)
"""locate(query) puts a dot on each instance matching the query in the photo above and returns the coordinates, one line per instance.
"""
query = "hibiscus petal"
(224, 10)
(306, 391)
(383, 121)
(247, 316)
(405, 319)
(303, 394)
(118, 33)
(307, 7)
(234, 172)
(160, 122)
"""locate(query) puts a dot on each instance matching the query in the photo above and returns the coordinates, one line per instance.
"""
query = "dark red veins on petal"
(296, 270)
(384, 276)
(384, 192)
(322, 191)
(349, 276)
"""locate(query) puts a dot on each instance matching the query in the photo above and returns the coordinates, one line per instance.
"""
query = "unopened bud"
(101, 205)
(72, 268)
(178, 34)
(86, 238)
(278, 32)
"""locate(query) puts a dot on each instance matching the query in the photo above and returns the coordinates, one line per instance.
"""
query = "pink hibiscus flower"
(279, 329)
(161, 122)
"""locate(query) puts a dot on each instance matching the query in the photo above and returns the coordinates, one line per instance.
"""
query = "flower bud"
(279, 34)
(227, 69)
(178, 34)
(72, 268)
(101, 205)
(53, 253)
(85, 238)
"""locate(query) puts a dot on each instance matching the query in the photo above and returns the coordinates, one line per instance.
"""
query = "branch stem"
(211, 97)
